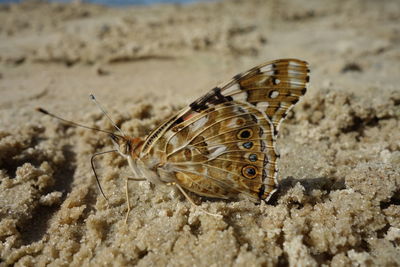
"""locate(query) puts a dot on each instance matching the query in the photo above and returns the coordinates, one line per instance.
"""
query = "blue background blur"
(120, 2)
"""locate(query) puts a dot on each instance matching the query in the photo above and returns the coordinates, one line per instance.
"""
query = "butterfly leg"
(127, 194)
(194, 204)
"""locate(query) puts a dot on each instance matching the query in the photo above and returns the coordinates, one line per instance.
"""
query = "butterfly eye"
(245, 134)
(249, 171)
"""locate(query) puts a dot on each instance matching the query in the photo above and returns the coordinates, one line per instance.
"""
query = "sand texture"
(339, 198)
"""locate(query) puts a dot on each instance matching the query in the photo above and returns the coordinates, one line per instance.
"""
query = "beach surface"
(338, 202)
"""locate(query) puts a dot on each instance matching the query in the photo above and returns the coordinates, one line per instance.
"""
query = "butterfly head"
(127, 146)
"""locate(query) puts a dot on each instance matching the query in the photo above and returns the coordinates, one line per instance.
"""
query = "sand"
(339, 198)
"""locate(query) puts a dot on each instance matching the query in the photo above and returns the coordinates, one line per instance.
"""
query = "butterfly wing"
(223, 144)
(224, 152)
(273, 87)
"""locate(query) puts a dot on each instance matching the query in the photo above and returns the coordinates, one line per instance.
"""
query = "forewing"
(274, 88)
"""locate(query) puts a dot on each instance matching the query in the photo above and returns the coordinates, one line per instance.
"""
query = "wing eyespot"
(245, 134)
(248, 145)
(249, 171)
(253, 157)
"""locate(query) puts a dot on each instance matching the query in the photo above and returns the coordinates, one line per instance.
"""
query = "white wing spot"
(233, 88)
(294, 64)
(293, 72)
(241, 96)
(216, 152)
(274, 94)
(266, 68)
(174, 141)
(199, 124)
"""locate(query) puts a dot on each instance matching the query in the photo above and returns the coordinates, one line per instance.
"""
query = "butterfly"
(222, 145)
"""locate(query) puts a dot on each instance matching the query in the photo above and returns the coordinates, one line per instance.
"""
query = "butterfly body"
(223, 144)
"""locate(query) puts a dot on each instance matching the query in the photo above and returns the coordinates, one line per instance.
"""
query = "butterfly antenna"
(70, 122)
(106, 114)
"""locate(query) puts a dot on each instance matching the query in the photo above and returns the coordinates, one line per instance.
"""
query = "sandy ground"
(339, 197)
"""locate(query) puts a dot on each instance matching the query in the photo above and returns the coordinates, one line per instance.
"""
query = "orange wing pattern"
(223, 144)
